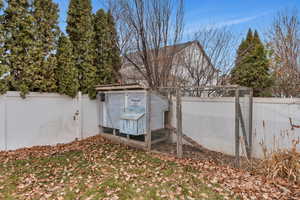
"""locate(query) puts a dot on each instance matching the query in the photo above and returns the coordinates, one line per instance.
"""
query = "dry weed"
(282, 164)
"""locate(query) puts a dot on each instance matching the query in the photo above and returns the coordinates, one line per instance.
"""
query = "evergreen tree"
(81, 32)
(45, 13)
(3, 67)
(114, 50)
(245, 46)
(21, 51)
(102, 43)
(107, 58)
(252, 65)
(66, 72)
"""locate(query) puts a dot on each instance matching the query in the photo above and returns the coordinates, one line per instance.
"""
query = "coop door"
(135, 100)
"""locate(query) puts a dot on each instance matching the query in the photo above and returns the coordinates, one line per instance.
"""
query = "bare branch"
(212, 59)
(148, 31)
(284, 44)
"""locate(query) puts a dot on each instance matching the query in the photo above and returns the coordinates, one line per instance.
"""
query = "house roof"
(177, 47)
(166, 50)
(171, 50)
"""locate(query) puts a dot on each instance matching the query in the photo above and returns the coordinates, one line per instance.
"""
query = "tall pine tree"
(45, 13)
(3, 67)
(252, 65)
(21, 50)
(115, 60)
(101, 43)
(81, 32)
(107, 58)
(66, 71)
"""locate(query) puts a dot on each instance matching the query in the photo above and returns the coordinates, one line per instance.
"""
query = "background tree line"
(269, 65)
(37, 56)
(272, 67)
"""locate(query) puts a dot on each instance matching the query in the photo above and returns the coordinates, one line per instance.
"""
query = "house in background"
(190, 66)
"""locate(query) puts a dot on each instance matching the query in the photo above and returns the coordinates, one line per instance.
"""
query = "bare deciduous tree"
(211, 62)
(284, 43)
(148, 30)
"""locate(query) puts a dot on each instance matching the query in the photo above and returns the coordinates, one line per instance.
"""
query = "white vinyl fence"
(211, 123)
(49, 119)
(45, 119)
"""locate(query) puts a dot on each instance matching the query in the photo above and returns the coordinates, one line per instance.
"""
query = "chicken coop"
(132, 114)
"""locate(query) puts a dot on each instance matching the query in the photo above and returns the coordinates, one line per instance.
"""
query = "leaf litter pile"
(96, 169)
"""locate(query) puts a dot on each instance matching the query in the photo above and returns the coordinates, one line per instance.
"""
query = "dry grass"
(282, 164)
(96, 169)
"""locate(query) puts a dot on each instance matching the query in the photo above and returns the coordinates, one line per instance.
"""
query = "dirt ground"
(203, 154)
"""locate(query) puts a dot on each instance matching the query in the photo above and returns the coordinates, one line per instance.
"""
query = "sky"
(238, 15)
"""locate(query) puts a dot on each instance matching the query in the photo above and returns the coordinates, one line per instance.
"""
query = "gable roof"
(166, 49)
(131, 74)
(177, 47)
(169, 51)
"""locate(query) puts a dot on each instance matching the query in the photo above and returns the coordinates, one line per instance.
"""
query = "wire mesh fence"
(242, 111)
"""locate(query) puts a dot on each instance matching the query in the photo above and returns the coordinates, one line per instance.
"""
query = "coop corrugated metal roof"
(115, 87)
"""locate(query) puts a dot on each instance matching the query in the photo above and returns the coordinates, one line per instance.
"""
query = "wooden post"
(148, 120)
(169, 116)
(79, 114)
(250, 120)
(179, 123)
(5, 122)
(245, 136)
(237, 128)
(100, 113)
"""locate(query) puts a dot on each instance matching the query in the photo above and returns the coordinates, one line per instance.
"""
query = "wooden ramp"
(187, 138)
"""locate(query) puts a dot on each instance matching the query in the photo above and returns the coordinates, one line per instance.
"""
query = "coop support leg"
(148, 141)
(100, 129)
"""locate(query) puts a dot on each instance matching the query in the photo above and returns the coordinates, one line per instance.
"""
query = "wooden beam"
(119, 87)
(179, 123)
(237, 128)
(250, 120)
(187, 139)
(148, 120)
(243, 126)
(203, 88)
(165, 138)
(169, 113)
(123, 140)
